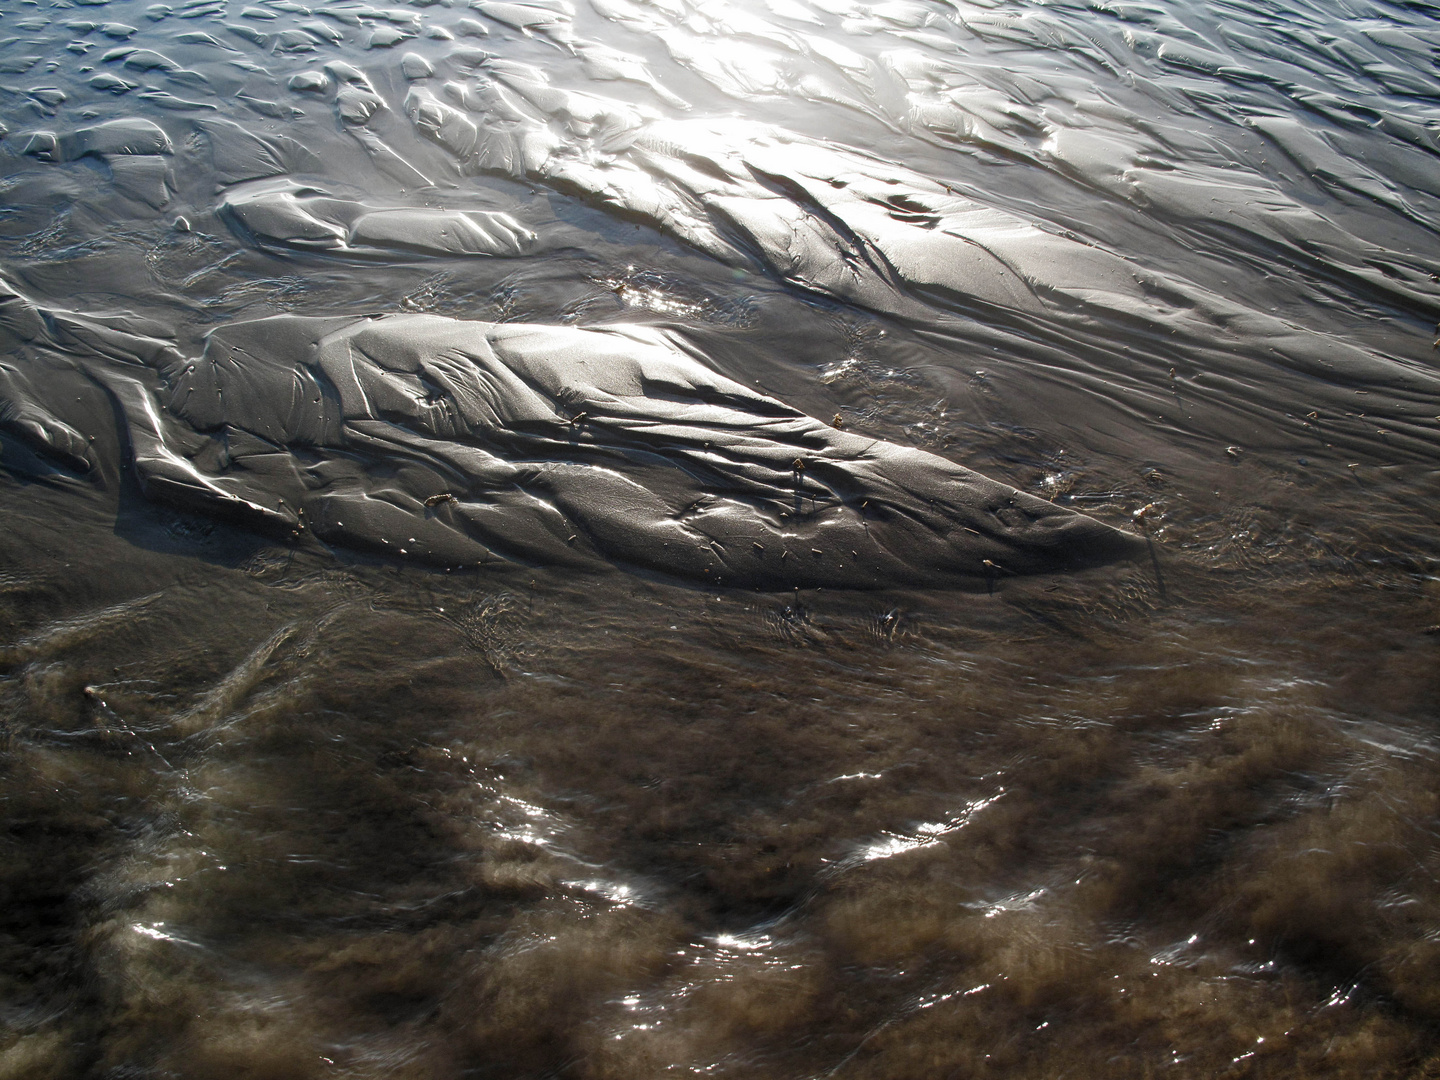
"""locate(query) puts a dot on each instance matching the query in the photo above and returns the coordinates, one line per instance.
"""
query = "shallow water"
(769, 539)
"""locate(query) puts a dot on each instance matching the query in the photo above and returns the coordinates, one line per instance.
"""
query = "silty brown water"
(787, 539)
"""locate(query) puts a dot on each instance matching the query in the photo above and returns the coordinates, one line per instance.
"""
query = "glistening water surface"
(730, 538)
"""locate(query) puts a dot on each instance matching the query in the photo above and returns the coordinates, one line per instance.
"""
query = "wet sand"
(628, 539)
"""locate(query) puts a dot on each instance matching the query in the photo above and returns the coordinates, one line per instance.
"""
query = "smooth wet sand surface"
(770, 539)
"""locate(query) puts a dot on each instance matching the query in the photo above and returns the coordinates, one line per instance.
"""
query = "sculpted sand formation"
(461, 443)
(306, 143)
